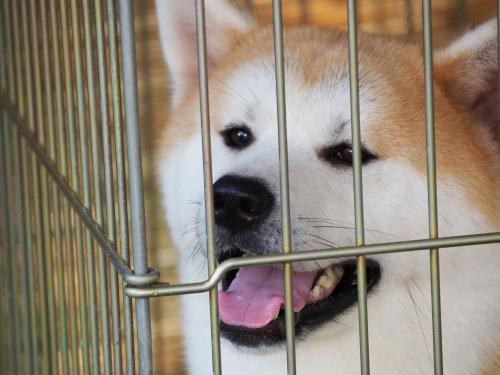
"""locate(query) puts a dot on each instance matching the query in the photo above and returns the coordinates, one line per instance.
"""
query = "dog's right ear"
(177, 23)
(467, 71)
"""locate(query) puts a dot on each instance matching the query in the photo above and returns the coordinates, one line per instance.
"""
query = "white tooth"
(339, 272)
(317, 291)
(331, 274)
(335, 273)
(325, 281)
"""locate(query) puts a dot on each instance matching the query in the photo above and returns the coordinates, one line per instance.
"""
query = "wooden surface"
(381, 16)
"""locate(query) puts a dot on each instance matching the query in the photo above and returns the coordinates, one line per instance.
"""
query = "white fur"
(176, 20)
(395, 201)
(471, 41)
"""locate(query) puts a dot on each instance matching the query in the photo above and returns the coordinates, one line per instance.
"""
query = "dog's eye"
(237, 137)
(343, 154)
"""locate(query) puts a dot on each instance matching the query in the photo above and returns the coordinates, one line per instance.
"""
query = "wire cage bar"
(432, 187)
(284, 184)
(358, 186)
(71, 193)
(62, 165)
(208, 181)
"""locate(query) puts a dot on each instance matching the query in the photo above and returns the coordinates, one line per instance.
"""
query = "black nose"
(241, 202)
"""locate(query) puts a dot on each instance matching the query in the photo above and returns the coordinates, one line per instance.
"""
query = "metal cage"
(72, 194)
(65, 201)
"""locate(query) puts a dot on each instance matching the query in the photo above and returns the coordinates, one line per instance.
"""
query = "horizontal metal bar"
(94, 228)
(352, 251)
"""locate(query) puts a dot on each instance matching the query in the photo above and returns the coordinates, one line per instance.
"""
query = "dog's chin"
(336, 298)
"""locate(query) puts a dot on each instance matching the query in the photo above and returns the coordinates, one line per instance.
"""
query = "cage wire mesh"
(65, 205)
(71, 188)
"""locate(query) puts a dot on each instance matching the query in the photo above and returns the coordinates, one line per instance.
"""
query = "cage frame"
(26, 126)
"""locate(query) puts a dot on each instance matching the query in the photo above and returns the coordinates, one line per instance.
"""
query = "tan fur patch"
(494, 367)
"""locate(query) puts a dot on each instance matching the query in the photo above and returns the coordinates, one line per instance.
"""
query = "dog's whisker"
(352, 229)
(252, 92)
(191, 201)
(333, 244)
(414, 304)
(330, 223)
(245, 104)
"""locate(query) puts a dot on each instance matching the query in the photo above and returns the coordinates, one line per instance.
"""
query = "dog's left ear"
(177, 23)
(467, 71)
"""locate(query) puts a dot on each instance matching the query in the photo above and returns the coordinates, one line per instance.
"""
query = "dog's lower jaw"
(400, 330)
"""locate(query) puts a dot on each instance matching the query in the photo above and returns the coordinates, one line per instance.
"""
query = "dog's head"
(245, 153)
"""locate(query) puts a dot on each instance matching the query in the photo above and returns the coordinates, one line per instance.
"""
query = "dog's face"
(246, 167)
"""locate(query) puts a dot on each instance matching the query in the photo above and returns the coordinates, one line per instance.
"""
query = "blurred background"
(396, 17)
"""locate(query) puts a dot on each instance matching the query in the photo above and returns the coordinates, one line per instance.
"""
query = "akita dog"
(247, 204)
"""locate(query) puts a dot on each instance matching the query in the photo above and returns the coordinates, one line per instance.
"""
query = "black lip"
(311, 317)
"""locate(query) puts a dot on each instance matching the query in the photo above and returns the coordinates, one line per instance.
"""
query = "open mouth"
(251, 302)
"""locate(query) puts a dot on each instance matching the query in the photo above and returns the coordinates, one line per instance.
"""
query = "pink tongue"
(256, 295)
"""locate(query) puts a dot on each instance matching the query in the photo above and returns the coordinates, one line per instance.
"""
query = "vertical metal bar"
(61, 226)
(40, 253)
(20, 165)
(10, 326)
(111, 232)
(208, 181)
(24, 304)
(3, 69)
(110, 216)
(304, 16)
(462, 13)
(72, 163)
(103, 271)
(121, 180)
(498, 39)
(29, 254)
(45, 335)
(66, 216)
(86, 239)
(84, 187)
(15, 344)
(3, 221)
(80, 283)
(358, 185)
(59, 253)
(50, 86)
(16, 89)
(135, 180)
(64, 267)
(4, 339)
(13, 341)
(36, 185)
(21, 200)
(284, 185)
(92, 313)
(70, 115)
(22, 213)
(61, 213)
(432, 186)
(249, 4)
(76, 246)
(409, 16)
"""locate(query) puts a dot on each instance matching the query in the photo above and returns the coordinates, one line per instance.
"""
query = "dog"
(244, 140)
